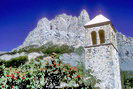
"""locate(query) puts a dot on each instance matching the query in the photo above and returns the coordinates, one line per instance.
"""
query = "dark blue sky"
(19, 17)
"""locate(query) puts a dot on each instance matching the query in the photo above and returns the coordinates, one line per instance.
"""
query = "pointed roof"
(99, 19)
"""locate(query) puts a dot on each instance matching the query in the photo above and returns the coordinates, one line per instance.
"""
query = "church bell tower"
(101, 53)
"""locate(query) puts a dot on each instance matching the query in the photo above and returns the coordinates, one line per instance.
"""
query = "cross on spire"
(100, 11)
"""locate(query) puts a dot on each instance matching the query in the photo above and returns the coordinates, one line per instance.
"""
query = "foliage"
(1, 62)
(43, 73)
(58, 49)
(79, 50)
(127, 79)
(48, 48)
(15, 62)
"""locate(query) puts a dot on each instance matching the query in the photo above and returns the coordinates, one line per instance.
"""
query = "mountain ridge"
(63, 29)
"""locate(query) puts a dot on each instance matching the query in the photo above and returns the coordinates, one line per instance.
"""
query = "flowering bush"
(43, 73)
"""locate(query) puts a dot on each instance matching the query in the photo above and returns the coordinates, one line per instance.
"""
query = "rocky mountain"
(63, 29)
(125, 48)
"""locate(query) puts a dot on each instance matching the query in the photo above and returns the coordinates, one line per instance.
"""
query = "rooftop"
(97, 20)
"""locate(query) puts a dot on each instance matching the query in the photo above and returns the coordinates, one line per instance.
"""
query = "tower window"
(94, 37)
(102, 36)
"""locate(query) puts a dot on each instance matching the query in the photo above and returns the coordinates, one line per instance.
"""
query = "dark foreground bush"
(1, 62)
(127, 79)
(16, 62)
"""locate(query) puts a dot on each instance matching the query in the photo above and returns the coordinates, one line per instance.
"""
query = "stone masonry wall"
(102, 61)
(116, 65)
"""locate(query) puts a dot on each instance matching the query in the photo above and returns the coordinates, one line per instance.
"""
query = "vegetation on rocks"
(48, 48)
(79, 50)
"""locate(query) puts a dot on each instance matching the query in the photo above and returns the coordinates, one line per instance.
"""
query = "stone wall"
(103, 60)
(116, 67)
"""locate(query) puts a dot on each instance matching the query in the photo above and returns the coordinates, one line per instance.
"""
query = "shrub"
(16, 62)
(58, 49)
(79, 50)
(48, 48)
(127, 79)
(1, 62)
(46, 75)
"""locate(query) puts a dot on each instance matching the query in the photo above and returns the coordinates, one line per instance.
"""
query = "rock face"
(64, 29)
(125, 48)
(34, 55)
(72, 58)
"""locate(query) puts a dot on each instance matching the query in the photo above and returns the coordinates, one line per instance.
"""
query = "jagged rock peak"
(44, 22)
(63, 29)
(84, 17)
(84, 13)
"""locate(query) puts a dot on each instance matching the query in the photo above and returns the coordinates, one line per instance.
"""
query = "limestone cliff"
(63, 29)
(125, 48)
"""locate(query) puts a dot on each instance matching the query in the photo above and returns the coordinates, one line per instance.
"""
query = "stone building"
(101, 52)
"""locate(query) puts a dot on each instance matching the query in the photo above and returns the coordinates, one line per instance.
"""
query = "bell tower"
(101, 54)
